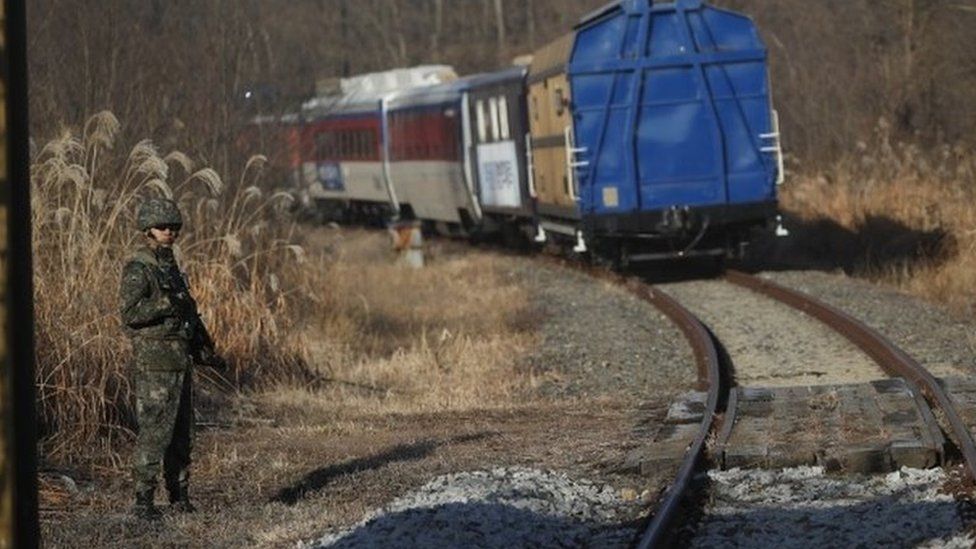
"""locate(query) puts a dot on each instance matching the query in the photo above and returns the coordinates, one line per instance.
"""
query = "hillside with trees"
(180, 69)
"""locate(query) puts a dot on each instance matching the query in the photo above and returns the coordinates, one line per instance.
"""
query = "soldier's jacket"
(159, 314)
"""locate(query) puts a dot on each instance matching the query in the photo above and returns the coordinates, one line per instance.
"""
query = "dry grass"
(399, 340)
(235, 247)
(379, 338)
(914, 212)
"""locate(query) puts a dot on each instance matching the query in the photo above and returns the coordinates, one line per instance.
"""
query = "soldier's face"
(165, 235)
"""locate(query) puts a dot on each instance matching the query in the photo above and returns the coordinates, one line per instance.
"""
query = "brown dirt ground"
(276, 484)
(288, 464)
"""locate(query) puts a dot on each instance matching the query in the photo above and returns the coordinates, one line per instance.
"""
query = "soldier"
(168, 336)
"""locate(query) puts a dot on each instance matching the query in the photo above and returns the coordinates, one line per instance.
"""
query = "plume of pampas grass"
(159, 186)
(83, 210)
(256, 162)
(101, 129)
(251, 193)
(65, 147)
(77, 175)
(234, 246)
(181, 159)
(142, 150)
(152, 166)
(210, 179)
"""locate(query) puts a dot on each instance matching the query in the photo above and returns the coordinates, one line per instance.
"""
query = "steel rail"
(887, 355)
(709, 379)
(706, 357)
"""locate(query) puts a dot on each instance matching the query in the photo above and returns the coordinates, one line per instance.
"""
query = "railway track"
(721, 399)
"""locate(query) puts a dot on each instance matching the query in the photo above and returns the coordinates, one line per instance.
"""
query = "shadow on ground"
(319, 478)
(874, 523)
(480, 524)
(876, 244)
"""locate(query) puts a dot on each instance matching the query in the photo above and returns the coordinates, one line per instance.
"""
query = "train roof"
(495, 77)
(363, 93)
(451, 91)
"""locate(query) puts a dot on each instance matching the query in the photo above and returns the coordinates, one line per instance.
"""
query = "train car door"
(497, 144)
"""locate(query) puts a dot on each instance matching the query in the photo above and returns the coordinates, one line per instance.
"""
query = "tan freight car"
(550, 125)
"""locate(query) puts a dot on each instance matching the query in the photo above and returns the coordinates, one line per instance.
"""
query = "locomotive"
(645, 133)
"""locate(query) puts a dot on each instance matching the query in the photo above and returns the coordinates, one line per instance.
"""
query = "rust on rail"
(709, 379)
(888, 356)
(706, 356)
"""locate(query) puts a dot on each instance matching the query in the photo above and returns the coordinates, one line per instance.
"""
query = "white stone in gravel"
(503, 507)
(802, 507)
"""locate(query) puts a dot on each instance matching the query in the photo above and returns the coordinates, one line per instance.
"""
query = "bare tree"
(435, 35)
(500, 27)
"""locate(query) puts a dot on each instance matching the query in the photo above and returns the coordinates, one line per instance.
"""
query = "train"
(647, 132)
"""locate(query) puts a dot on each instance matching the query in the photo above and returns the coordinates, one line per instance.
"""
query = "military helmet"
(156, 212)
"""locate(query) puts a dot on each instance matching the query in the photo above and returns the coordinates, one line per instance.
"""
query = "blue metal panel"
(669, 104)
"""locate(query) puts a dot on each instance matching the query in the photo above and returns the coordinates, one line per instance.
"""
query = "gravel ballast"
(503, 508)
(944, 345)
(803, 507)
(598, 339)
(771, 344)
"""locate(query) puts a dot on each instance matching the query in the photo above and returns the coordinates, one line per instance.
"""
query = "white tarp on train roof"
(368, 89)
(379, 83)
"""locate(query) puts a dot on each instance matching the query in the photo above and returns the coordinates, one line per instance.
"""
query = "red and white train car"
(427, 133)
(343, 140)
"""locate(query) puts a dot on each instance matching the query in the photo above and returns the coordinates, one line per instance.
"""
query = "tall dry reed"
(914, 193)
(236, 248)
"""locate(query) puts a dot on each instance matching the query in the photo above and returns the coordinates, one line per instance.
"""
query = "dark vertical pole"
(19, 474)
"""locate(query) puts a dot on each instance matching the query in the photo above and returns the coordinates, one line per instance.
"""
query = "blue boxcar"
(676, 143)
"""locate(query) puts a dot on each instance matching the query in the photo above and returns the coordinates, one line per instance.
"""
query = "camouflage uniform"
(167, 336)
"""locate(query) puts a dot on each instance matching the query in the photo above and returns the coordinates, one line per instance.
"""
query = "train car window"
(560, 100)
(322, 145)
(480, 115)
(503, 117)
(535, 108)
(493, 108)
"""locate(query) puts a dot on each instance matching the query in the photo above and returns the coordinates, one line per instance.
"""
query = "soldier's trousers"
(164, 410)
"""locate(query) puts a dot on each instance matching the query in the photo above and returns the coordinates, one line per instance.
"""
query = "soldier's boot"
(145, 508)
(179, 497)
